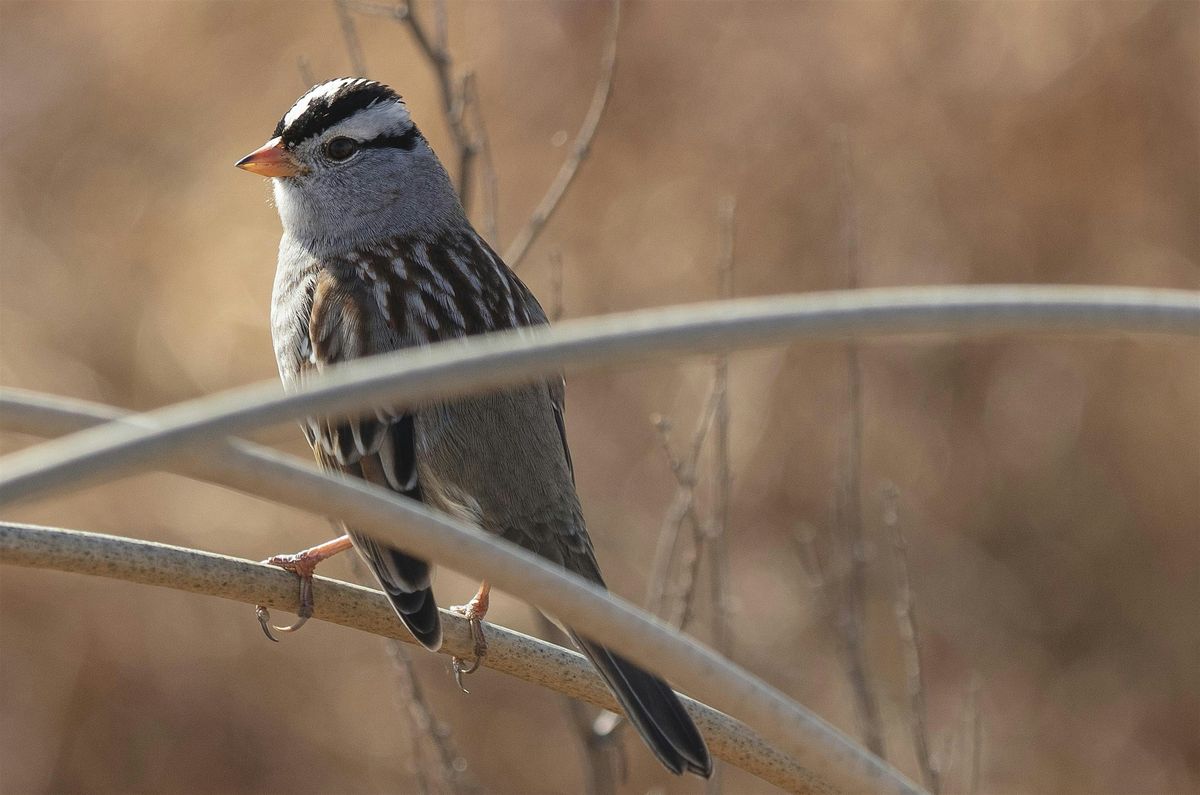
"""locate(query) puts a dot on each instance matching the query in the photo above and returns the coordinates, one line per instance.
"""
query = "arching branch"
(493, 360)
(830, 760)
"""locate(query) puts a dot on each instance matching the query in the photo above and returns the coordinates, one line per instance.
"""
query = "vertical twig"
(849, 493)
(306, 73)
(910, 638)
(358, 61)
(681, 511)
(556, 286)
(579, 149)
(438, 765)
(718, 528)
(490, 182)
(435, 761)
(805, 536)
(717, 546)
(435, 47)
(437, 52)
(975, 723)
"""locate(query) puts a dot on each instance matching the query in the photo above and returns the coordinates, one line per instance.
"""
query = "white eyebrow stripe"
(379, 119)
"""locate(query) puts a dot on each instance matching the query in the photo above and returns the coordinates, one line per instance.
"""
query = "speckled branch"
(367, 610)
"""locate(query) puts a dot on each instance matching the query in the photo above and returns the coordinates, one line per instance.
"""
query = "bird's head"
(349, 166)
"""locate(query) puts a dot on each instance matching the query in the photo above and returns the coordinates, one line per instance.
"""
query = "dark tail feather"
(653, 709)
(405, 580)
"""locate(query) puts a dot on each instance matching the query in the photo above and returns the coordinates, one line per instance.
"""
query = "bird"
(378, 255)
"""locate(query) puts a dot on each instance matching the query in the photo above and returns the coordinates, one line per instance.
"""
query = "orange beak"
(271, 160)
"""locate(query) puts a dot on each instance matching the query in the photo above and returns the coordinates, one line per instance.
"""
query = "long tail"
(405, 580)
(654, 710)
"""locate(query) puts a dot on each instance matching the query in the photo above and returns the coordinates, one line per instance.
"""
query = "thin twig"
(681, 511)
(438, 54)
(307, 77)
(358, 61)
(716, 537)
(681, 589)
(435, 48)
(910, 639)
(719, 528)
(975, 723)
(490, 181)
(435, 761)
(579, 149)
(556, 286)
(849, 493)
(433, 748)
(811, 561)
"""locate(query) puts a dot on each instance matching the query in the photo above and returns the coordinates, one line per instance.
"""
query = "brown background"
(1050, 487)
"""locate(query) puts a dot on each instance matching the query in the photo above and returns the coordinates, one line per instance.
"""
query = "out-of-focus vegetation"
(1049, 488)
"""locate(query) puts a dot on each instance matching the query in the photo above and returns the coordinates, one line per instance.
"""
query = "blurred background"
(1048, 487)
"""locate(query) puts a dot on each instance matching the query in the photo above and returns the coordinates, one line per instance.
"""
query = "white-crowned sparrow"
(376, 255)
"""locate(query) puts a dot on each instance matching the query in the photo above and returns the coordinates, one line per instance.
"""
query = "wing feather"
(378, 447)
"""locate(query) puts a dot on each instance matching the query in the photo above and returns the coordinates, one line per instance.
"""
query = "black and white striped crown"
(328, 104)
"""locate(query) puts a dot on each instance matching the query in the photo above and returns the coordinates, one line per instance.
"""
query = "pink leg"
(302, 564)
(473, 611)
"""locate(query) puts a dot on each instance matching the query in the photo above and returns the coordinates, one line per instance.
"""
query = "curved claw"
(306, 598)
(264, 621)
(299, 622)
(461, 668)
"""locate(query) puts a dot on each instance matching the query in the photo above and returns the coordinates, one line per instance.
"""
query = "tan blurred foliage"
(1050, 487)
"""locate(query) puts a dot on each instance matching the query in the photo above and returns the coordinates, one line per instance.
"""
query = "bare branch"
(433, 749)
(347, 605)
(358, 62)
(437, 53)
(805, 536)
(910, 639)
(511, 357)
(306, 73)
(556, 286)
(519, 247)
(435, 48)
(830, 757)
(682, 511)
(975, 723)
(716, 536)
(718, 529)
(852, 605)
(490, 180)
(435, 761)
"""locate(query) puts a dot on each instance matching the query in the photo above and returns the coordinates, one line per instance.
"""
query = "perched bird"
(378, 255)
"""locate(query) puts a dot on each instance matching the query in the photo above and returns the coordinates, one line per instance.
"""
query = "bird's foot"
(474, 611)
(303, 564)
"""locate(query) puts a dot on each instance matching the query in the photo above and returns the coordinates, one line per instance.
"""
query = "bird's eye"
(341, 148)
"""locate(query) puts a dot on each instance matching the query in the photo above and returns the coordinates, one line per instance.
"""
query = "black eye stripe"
(406, 140)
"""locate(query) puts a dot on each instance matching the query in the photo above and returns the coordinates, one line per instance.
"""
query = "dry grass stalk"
(519, 247)
(910, 639)
(848, 504)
